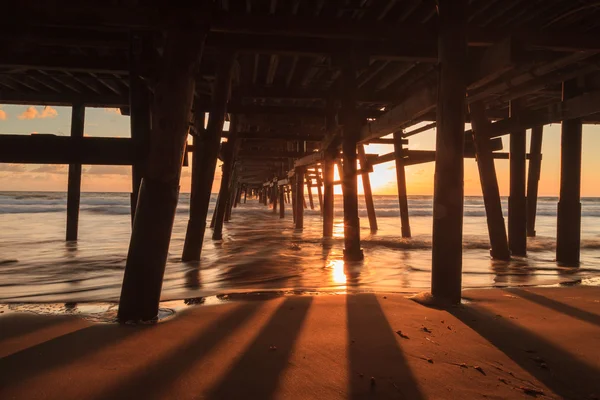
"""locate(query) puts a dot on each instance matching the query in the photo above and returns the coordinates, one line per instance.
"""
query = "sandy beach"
(512, 343)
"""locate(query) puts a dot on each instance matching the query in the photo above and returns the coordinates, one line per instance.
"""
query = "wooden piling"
(74, 184)
(517, 203)
(446, 268)
(365, 169)
(299, 192)
(227, 182)
(208, 159)
(489, 182)
(157, 203)
(351, 133)
(139, 111)
(328, 197)
(309, 190)
(401, 183)
(533, 177)
(232, 196)
(245, 194)
(293, 198)
(320, 191)
(568, 238)
(275, 197)
(281, 202)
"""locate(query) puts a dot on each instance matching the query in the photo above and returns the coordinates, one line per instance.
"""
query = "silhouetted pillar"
(517, 203)
(365, 169)
(157, 203)
(225, 197)
(533, 177)
(351, 133)
(207, 160)
(328, 176)
(320, 191)
(275, 197)
(309, 190)
(569, 204)
(245, 194)
(299, 192)
(281, 202)
(74, 184)
(401, 182)
(293, 196)
(446, 268)
(489, 182)
(232, 195)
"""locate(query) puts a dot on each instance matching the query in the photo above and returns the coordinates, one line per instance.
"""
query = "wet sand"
(513, 343)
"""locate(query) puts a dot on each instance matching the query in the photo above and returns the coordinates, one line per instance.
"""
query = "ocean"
(261, 252)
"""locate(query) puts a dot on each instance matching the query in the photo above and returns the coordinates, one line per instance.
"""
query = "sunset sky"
(109, 123)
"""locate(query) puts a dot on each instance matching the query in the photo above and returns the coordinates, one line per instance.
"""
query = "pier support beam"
(227, 183)
(365, 169)
(139, 111)
(233, 195)
(275, 197)
(533, 177)
(489, 182)
(569, 204)
(517, 203)
(351, 133)
(299, 195)
(448, 196)
(282, 202)
(207, 159)
(74, 185)
(328, 177)
(157, 203)
(401, 182)
(320, 191)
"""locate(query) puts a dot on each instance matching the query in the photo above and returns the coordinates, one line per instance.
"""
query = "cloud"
(2, 115)
(109, 170)
(51, 169)
(11, 168)
(33, 113)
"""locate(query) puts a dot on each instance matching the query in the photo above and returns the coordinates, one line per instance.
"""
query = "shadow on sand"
(552, 365)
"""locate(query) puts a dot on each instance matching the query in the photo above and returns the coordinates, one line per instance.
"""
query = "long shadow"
(558, 306)
(22, 324)
(257, 372)
(61, 351)
(563, 373)
(374, 352)
(154, 380)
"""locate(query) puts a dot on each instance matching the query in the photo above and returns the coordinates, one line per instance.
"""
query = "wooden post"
(139, 111)
(74, 185)
(207, 159)
(517, 204)
(293, 196)
(299, 192)
(193, 242)
(328, 197)
(446, 267)
(157, 203)
(320, 190)
(401, 182)
(533, 177)
(309, 190)
(489, 182)
(232, 196)
(275, 197)
(351, 133)
(245, 193)
(569, 203)
(227, 182)
(281, 202)
(365, 169)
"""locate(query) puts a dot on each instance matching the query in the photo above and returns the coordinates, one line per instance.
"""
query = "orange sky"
(108, 122)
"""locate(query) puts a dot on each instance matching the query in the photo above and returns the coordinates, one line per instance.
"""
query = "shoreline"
(502, 343)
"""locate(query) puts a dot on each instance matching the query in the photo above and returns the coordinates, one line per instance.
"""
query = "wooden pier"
(306, 85)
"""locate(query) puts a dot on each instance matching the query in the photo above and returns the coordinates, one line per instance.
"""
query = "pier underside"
(304, 86)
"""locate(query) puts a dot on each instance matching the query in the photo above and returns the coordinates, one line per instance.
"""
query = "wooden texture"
(368, 193)
(74, 183)
(401, 184)
(517, 204)
(446, 268)
(533, 177)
